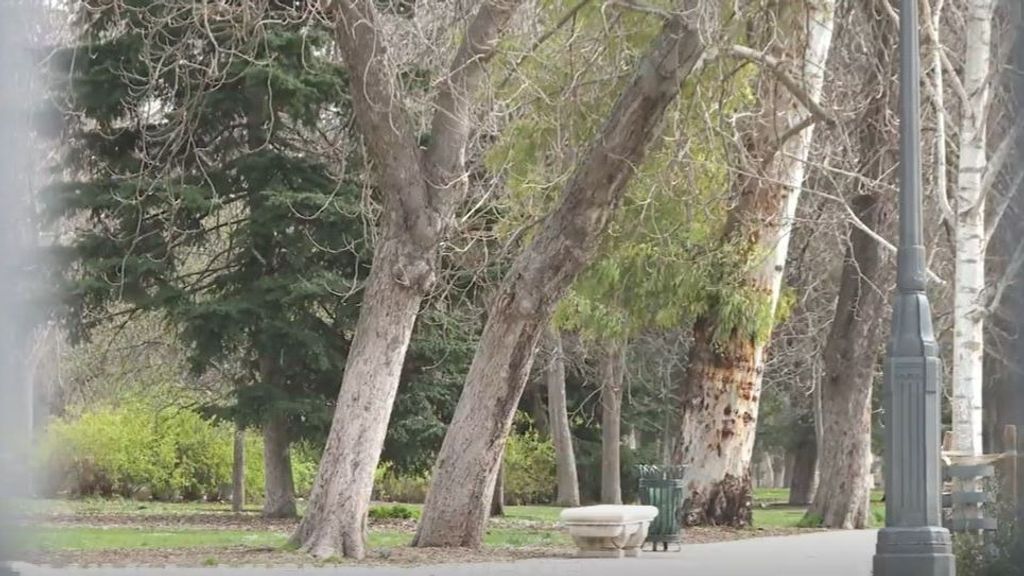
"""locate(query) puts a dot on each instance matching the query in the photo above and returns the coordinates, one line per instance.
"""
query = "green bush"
(408, 488)
(529, 469)
(136, 451)
(394, 512)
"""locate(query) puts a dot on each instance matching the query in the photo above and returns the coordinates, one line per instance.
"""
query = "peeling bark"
(456, 508)
(720, 396)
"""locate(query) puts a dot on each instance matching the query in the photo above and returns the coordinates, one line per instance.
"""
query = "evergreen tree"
(206, 176)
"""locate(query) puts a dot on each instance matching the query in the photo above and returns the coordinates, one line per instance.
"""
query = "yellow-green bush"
(529, 469)
(134, 450)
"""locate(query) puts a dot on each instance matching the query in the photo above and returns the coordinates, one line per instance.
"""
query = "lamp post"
(913, 542)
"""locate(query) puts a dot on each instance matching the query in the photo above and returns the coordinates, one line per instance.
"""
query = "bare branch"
(794, 88)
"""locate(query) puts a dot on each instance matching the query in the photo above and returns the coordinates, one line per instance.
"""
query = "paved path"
(820, 554)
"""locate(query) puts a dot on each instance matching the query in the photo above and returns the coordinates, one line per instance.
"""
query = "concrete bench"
(608, 531)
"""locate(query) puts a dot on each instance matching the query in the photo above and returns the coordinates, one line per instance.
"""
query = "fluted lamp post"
(913, 542)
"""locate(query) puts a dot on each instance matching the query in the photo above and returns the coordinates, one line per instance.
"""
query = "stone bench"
(608, 531)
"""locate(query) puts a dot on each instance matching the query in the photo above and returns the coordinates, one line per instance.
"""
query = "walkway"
(820, 554)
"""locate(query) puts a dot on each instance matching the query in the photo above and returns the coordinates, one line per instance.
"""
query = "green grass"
(86, 539)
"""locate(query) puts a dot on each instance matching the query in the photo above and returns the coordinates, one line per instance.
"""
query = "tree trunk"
(279, 486)
(335, 522)
(844, 493)
(781, 476)
(805, 470)
(238, 472)
(969, 283)
(456, 508)
(612, 368)
(716, 435)
(558, 416)
(721, 393)
(421, 188)
(498, 499)
(538, 411)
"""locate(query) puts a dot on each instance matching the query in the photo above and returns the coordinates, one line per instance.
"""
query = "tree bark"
(238, 472)
(780, 476)
(279, 486)
(538, 410)
(969, 283)
(558, 416)
(421, 189)
(612, 369)
(805, 471)
(843, 497)
(720, 395)
(498, 499)
(456, 508)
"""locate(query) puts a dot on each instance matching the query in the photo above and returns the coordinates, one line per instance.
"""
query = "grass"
(88, 539)
(522, 526)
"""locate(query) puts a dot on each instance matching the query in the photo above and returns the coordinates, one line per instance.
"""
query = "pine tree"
(206, 176)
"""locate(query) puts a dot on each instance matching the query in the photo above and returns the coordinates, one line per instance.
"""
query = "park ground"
(124, 532)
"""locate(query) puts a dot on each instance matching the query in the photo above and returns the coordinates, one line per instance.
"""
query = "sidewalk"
(819, 554)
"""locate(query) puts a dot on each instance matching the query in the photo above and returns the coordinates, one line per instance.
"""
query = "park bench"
(608, 531)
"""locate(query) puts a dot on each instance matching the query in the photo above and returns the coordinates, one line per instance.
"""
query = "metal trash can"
(662, 487)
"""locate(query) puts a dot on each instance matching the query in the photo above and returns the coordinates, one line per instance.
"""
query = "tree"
(720, 394)
(195, 182)
(969, 283)
(456, 508)
(843, 498)
(558, 419)
(420, 189)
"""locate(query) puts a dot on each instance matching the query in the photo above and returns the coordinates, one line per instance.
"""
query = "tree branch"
(1012, 271)
(379, 110)
(794, 88)
(999, 157)
(445, 157)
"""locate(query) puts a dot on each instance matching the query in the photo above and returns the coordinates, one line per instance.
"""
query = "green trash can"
(662, 487)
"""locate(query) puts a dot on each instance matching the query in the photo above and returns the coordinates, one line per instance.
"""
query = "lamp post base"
(923, 551)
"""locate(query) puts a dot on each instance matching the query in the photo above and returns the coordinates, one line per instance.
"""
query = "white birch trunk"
(970, 234)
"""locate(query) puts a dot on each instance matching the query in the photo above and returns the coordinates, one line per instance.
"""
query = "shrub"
(408, 488)
(394, 512)
(529, 469)
(136, 451)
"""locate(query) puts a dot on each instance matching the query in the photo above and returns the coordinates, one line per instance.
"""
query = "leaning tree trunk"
(498, 499)
(558, 418)
(969, 283)
(279, 486)
(612, 368)
(421, 188)
(340, 500)
(456, 508)
(843, 498)
(720, 396)
(805, 469)
(238, 472)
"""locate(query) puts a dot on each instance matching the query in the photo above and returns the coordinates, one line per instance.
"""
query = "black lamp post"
(913, 542)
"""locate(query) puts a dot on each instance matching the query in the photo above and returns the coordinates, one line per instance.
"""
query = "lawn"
(98, 525)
